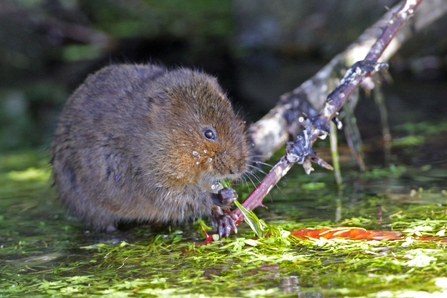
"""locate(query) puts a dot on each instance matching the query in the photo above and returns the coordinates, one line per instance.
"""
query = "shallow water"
(44, 251)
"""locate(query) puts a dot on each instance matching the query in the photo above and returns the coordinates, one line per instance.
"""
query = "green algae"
(44, 252)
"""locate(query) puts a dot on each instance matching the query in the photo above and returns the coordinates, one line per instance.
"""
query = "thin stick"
(317, 127)
(272, 131)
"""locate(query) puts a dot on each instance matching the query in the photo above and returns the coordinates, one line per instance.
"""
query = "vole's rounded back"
(140, 142)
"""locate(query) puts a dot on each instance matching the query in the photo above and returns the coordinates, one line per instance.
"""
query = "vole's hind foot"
(103, 223)
(110, 228)
(224, 222)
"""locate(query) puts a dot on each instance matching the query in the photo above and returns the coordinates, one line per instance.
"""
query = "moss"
(44, 252)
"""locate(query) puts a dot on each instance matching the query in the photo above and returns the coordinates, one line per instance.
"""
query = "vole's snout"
(235, 165)
(238, 169)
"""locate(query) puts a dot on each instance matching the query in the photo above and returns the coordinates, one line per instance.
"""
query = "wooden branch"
(272, 131)
(317, 126)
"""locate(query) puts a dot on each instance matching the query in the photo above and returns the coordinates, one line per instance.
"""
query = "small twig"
(272, 131)
(318, 127)
(379, 214)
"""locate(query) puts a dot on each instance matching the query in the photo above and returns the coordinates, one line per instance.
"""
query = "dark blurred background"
(259, 49)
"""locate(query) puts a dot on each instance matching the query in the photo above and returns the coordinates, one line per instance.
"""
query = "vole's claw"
(226, 225)
(224, 222)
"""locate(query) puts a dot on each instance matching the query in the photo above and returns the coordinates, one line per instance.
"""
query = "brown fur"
(130, 145)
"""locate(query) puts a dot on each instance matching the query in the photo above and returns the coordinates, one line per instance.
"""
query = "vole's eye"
(209, 134)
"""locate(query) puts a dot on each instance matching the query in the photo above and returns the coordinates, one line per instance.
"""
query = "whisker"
(249, 174)
(257, 169)
(250, 178)
(252, 174)
(264, 164)
(255, 176)
(258, 158)
(246, 182)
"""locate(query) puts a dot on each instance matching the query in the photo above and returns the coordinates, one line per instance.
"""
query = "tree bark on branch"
(271, 132)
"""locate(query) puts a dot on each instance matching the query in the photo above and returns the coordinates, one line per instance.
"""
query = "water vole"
(141, 142)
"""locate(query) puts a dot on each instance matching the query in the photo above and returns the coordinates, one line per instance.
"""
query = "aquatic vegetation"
(44, 252)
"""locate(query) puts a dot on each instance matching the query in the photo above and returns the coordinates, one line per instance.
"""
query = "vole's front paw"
(225, 197)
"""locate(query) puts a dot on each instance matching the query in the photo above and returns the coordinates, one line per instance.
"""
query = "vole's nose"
(237, 169)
